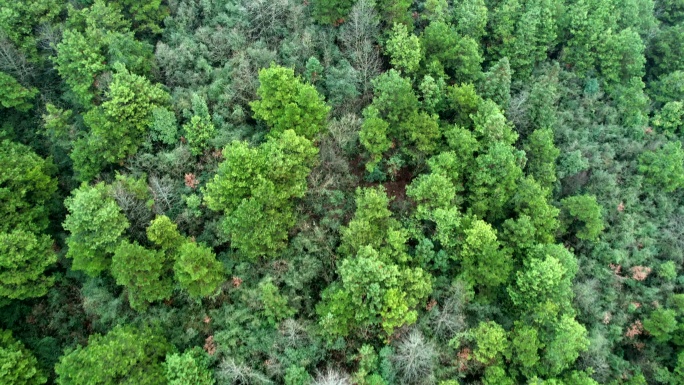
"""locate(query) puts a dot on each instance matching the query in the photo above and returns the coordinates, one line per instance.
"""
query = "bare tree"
(332, 377)
(414, 358)
(163, 191)
(357, 38)
(233, 372)
(13, 62)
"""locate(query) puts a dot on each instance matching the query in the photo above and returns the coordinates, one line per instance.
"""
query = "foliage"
(142, 272)
(586, 210)
(664, 167)
(24, 258)
(404, 49)
(26, 188)
(125, 355)
(189, 368)
(14, 95)
(17, 365)
(95, 224)
(197, 270)
(288, 104)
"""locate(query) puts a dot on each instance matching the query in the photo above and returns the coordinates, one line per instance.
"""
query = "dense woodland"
(319, 192)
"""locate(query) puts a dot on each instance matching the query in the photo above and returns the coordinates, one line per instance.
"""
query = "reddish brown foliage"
(640, 273)
(191, 181)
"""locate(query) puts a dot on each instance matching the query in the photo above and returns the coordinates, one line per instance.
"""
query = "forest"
(341, 192)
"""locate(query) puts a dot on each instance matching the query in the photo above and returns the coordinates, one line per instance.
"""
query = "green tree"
(491, 342)
(525, 346)
(276, 308)
(541, 157)
(471, 18)
(494, 179)
(286, 103)
(95, 225)
(197, 270)
(483, 261)
(17, 365)
(404, 49)
(26, 188)
(372, 293)
(541, 286)
(254, 187)
(670, 118)
(584, 214)
(199, 130)
(373, 225)
(331, 11)
(14, 95)
(496, 83)
(394, 98)
(79, 62)
(569, 340)
(458, 55)
(119, 125)
(664, 167)
(189, 368)
(395, 11)
(143, 273)
(661, 323)
(24, 257)
(373, 136)
(125, 355)
(531, 200)
(164, 233)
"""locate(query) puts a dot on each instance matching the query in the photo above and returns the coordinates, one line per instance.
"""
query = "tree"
(125, 355)
(404, 49)
(494, 179)
(395, 11)
(525, 346)
(491, 342)
(541, 157)
(17, 365)
(471, 18)
(119, 125)
(331, 11)
(78, 62)
(661, 323)
(541, 285)
(26, 188)
(197, 270)
(584, 213)
(143, 273)
(200, 129)
(373, 136)
(24, 257)
(531, 200)
(276, 308)
(569, 340)
(189, 368)
(664, 167)
(372, 293)
(373, 225)
(496, 83)
(286, 103)
(458, 55)
(669, 118)
(14, 95)
(484, 262)
(95, 224)
(254, 187)
(164, 233)
(432, 191)
(394, 98)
